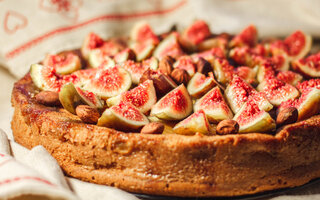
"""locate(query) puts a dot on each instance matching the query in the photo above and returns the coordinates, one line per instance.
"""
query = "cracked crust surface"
(168, 164)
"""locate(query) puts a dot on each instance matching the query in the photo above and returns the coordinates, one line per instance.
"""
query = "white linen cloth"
(30, 29)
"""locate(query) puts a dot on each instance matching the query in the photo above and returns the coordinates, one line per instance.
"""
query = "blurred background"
(30, 29)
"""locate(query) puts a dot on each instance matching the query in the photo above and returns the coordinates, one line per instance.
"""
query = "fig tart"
(187, 114)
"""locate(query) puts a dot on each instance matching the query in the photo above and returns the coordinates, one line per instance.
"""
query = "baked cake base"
(168, 164)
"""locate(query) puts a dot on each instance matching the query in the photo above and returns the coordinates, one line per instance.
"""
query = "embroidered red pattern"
(13, 53)
(20, 178)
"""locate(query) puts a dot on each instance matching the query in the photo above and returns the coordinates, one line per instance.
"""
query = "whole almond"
(227, 126)
(48, 98)
(203, 66)
(153, 128)
(165, 65)
(287, 116)
(162, 83)
(180, 76)
(88, 114)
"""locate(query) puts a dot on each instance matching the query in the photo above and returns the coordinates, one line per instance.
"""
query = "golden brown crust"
(170, 164)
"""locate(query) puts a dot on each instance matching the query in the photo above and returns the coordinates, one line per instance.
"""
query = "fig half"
(277, 91)
(238, 91)
(64, 63)
(195, 123)
(308, 104)
(214, 105)
(200, 85)
(309, 67)
(143, 97)
(175, 105)
(123, 116)
(253, 120)
(109, 82)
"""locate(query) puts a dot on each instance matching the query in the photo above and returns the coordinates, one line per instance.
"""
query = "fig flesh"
(277, 91)
(247, 37)
(253, 120)
(309, 67)
(238, 92)
(214, 105)
(109, 82)
(168, 47)
(308, 104)
(123, 116)
(92, 41)
(143, 97)
(195, 123)
(289, 77)
(97, 58)
(200, 85)
(64, 63)
(175, 105)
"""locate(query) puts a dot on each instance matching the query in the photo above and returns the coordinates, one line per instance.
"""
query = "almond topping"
(88, 114)
(48, 98)
(227, 126)
(287, 116)
(153, 128)
(165, 65)
(180, 76)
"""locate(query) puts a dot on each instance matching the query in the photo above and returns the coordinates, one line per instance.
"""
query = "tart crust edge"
(172, 165)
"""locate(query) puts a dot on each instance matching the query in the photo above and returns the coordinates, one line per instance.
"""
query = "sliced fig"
(169, 47)
(214, 105)
(85, 75)
(175, 105)
(124, 55)
(242, 56)
(247, 37)
(247, 73)
(135, 69)
(92, 41)
(186, 63)
(289, 77)
(142, 50)
(123, 116)
(142, 33)
(89, 98)
(112, 47)
(220, 41)
(209, 54)
(151, 63)
(195, 123)
(308, 104)
(309, 67)
(238, 92)
(194, 34)
(109, 82)
(200, 85)
(252, 120)
(97, 58)
(277, 91)
(281, 62)
(265, 71)
(64, 63)
(298, 45)
(312, 83)
(46, 78)
(69, 97)
(223, 71)
(143, 97)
